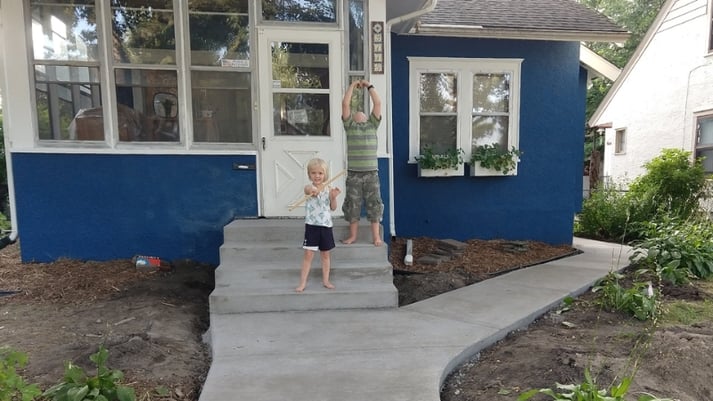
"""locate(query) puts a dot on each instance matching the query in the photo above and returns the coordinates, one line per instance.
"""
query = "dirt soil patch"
(152, 324)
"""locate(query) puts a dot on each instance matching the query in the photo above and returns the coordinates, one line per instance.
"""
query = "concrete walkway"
(399, 354)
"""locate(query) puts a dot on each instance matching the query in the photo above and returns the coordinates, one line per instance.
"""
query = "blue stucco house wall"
(537, 204)
(102, 207)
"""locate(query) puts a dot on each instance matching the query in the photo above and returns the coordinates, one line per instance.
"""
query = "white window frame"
(620, 141)
(697, 146)
(464, 68)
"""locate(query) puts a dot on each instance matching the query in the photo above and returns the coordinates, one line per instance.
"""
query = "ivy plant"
(449, 159)
(493, 156)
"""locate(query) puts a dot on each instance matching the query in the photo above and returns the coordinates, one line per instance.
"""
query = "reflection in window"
(219, 33)
(221, 107)
(147, 105)
(301, 114)
(64, 30)
(299, 10)
(300, 86)
(144, 31)
(491, 102)
(61, 93)
(438, 111)
(356, 35)
(300, 65)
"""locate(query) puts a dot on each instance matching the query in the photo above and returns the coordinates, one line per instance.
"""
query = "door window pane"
(299, 10)
(64, 30)
(68, 102)
(144, 31)
(300, 65)
(301, 114)
(219, 32)
(147, 105)
(221, 107)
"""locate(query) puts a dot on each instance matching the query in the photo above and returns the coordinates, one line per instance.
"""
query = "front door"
(300, 113)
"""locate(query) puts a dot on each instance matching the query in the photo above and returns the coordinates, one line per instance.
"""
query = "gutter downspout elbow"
(427, 8)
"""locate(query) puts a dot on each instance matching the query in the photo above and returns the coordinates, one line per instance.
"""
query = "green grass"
(687, 312)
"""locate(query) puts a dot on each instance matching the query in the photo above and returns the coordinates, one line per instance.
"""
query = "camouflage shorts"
(363, 185)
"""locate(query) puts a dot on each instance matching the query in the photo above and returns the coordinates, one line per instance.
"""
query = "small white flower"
(650, 291)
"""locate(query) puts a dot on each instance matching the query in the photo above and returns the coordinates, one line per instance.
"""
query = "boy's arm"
(346, 101)
(375, 99)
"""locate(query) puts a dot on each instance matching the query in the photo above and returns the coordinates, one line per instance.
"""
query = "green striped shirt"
(362, 144)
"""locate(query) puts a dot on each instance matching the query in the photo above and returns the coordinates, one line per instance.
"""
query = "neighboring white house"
(664, 96)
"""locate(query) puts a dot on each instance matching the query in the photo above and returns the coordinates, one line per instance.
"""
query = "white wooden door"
(300, 113)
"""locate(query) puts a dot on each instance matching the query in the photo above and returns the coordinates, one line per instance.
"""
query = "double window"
(704, 141)
(463, 103)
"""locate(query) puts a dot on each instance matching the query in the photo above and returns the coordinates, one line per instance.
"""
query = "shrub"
(604, 215)
(672, 185)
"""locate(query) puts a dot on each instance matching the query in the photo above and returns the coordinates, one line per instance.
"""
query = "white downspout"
(12, 237)
(427, 8)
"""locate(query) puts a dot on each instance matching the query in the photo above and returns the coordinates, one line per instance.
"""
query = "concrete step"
(348, 294)
(291, 252)
(260, 264)
(232, 273)
(266, 230)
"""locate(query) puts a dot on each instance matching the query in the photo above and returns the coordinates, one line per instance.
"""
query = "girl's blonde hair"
(318, 163)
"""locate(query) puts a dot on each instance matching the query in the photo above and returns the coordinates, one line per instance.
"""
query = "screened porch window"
(66, 70)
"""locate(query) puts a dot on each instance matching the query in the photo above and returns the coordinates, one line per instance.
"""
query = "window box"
(441, 172)
(494, 160)
(476, 170)
(445, 164)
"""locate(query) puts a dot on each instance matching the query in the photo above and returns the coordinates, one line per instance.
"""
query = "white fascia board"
(598, 64)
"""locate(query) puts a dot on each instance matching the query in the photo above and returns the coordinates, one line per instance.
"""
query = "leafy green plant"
(677, 249)
(12, 385)
(639, 300)
(589, 391)
(494, 157)
(449, 159)
(77, 386)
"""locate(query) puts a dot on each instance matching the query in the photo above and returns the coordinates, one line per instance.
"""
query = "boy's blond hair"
(318, 163)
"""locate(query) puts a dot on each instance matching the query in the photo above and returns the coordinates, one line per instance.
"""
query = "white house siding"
(664, 86)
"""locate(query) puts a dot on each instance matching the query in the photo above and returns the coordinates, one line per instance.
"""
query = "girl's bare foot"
(348, 241)
(300, 288)
(329, 285)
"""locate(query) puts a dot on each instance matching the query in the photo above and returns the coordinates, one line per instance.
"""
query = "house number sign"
(377, 47)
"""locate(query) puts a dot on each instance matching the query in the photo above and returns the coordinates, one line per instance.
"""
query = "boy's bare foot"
(300, 288)
(377, 242)
(328, 285)
(348, 241)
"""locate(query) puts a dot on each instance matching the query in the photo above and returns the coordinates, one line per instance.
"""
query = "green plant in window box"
(448, 163)
(494, 158)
